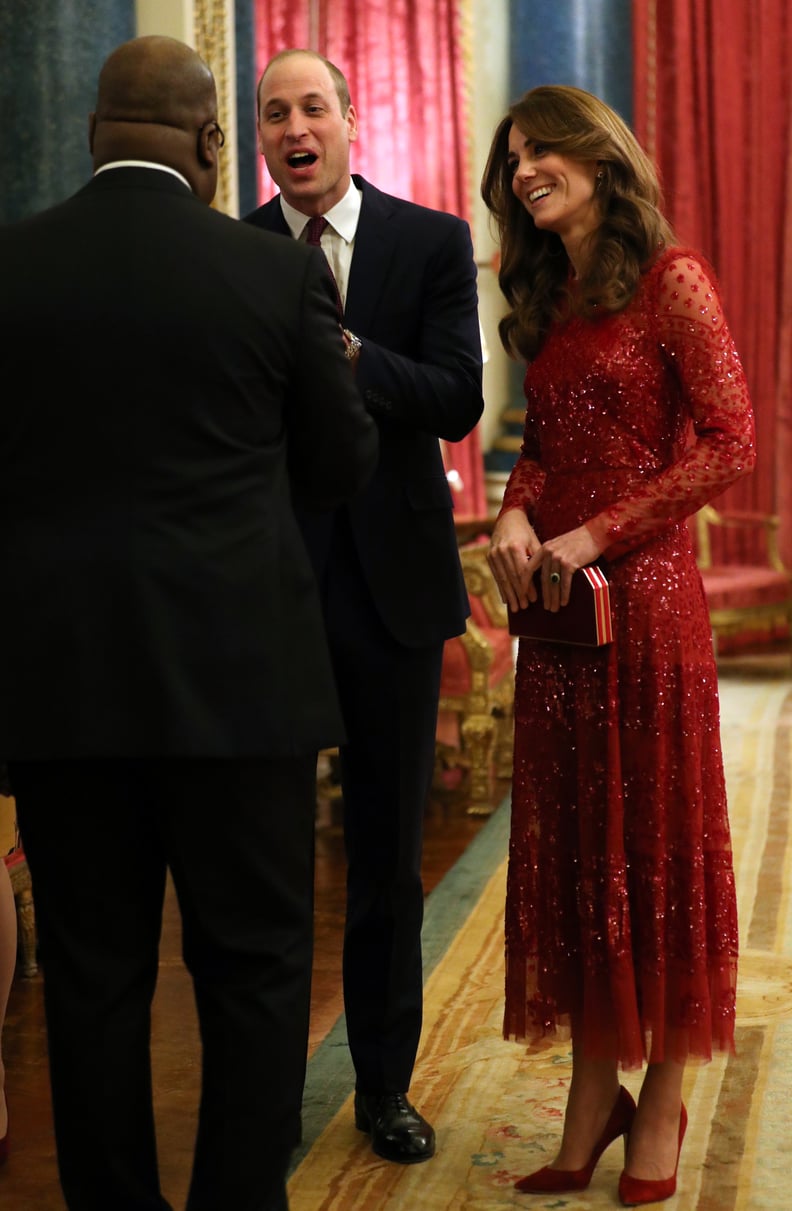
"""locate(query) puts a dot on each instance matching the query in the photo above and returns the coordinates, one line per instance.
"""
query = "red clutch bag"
(585, 619)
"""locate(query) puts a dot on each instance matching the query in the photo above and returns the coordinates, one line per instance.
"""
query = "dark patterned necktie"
(316, 226)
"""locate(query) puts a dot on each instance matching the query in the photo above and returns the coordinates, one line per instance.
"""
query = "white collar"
(343, 217)
(144, 164)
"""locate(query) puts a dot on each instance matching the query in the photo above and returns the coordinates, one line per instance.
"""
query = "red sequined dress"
(621, 914)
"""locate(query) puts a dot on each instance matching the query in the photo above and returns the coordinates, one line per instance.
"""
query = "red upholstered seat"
(750, 598)
(15, 859)
(744, 588)
(456, 678)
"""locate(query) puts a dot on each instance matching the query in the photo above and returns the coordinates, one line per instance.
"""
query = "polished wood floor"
(29, 1181)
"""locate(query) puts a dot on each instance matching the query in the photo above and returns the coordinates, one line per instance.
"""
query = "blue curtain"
(247, 146)
(587, 43)
(52, 51)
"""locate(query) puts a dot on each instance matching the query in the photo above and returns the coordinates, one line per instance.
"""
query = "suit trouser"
(238, 839)
(389, 696)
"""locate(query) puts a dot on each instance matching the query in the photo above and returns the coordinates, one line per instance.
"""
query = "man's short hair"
(336, 75)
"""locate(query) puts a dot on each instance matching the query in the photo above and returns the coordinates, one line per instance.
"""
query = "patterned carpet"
(498, 1110)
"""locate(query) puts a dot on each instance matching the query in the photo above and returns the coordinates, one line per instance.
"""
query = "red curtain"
(713, 106)
(404, 63)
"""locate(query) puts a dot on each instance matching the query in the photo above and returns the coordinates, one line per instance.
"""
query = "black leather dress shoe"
(398, 1132)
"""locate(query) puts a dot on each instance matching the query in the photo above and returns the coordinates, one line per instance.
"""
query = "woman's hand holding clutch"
(512, 545)
(559, 559)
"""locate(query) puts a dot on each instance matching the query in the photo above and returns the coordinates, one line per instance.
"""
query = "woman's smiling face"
(558, 192)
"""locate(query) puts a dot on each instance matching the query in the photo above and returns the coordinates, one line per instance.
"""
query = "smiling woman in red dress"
(621, 920)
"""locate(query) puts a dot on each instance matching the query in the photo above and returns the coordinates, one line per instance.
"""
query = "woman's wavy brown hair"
(534, 267)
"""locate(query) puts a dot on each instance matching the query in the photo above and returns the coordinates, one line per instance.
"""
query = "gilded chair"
(750, 596)
(26, 919)
(477, 682)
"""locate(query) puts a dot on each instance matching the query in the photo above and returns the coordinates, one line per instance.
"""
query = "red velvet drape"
(713, 106)
(403, 60)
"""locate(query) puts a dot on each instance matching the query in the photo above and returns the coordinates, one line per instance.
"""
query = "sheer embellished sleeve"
(527, 477)
(700, 354)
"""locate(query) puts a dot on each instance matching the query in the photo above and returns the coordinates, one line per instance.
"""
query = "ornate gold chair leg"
(26, 921)
(504, 742)
(26, 917)
(478, 736)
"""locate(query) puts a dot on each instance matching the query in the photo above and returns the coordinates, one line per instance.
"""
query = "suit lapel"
(375, 242)
(270, 217)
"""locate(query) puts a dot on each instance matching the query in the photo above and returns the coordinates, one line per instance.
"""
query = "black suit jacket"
(412, 299)
(157, 595)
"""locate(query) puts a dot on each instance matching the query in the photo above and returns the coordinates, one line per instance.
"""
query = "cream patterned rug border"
(498, 1109)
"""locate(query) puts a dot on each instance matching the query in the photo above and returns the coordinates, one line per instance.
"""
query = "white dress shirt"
(338, 238)
(144, 164)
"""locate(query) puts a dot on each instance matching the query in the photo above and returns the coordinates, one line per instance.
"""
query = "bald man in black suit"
(181, 379)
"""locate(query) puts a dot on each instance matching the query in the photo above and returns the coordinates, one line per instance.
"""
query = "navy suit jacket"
(158, 596)
(412, 299)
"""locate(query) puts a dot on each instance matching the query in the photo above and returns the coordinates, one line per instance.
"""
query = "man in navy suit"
(181, 379)
(388, 566)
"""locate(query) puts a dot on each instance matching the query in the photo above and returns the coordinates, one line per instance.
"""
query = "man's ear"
(204, 181)
(351, 121)
(91, 132)
(206, 148)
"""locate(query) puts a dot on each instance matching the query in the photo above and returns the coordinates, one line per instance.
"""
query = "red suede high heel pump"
(635, 1191)
(555, 1181)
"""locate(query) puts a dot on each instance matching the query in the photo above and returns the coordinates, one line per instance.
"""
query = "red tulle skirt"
(621, 918)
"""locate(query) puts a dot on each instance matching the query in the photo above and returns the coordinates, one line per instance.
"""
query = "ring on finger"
(555, 577)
